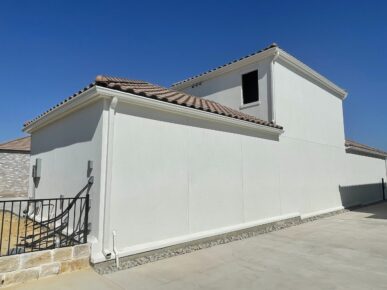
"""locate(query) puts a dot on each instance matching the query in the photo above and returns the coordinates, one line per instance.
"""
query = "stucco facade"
(166, 175)
(65, 148)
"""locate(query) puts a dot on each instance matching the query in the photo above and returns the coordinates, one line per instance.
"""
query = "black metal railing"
(39, 224)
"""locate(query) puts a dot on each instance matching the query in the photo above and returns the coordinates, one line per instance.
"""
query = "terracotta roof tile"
(20, 144)
(365, 148)
(231, 62)
(152, 91)
(183, 99)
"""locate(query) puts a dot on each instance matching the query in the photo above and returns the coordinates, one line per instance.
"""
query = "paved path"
(347, 251)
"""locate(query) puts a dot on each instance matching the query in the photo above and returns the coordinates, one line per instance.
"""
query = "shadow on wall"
(156, 115)
(361, 194)
(80, 127)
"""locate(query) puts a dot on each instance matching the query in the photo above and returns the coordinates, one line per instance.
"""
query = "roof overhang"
(366, 152)
(97, 92)
(81, 100)
(280, 55)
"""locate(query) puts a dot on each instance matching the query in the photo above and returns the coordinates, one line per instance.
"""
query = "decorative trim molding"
(70, 106)
(364, 151)
(250, 105)
(97, 92)
(270, 53)
(185, 111)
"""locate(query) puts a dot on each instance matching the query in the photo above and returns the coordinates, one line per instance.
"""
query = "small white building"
(257, 140)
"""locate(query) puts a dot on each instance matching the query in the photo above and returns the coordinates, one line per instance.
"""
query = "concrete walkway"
(347, 251)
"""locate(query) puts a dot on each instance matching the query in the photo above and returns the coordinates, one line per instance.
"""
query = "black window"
(250, 87)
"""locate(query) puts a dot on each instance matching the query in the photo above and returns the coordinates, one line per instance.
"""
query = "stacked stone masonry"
(31, 266)
(14, 172)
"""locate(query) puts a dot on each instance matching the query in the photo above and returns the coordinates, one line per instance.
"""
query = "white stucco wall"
(363, 177)
(174, 176)
(65, 146)
(307, 111)
(312, 146)
(227, 90)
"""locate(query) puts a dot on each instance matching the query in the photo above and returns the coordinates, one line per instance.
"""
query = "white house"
(257, 140)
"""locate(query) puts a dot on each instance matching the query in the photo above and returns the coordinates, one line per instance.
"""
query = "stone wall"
(31, 266)
(14, 173)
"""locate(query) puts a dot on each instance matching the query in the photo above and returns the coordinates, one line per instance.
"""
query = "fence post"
(85, 228)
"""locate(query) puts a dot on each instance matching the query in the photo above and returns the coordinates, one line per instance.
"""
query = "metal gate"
(39, 224)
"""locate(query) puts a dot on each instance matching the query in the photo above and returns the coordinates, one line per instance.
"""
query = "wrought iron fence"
(38, 224)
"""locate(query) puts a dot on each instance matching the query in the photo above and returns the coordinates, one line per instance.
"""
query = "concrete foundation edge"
(131, 261)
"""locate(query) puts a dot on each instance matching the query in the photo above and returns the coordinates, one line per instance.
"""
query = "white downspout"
(115, 251)
(108, 179)
(273, 110)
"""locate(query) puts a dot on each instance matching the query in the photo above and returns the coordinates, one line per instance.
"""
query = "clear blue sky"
(51, 49)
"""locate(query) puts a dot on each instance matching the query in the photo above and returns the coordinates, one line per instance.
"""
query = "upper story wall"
(227, 89)
(307, 105)
(306, 110)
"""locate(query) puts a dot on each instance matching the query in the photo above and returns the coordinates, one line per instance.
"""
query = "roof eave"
(354, 149)
(309, 72)
(272, 52)
(66, 108)
(224, 69)
(185, 111)
(95, 92)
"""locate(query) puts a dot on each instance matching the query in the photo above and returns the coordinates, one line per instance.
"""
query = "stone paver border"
(31, 266)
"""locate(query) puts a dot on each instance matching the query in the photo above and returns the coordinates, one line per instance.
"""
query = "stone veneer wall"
(14, 173)
(30, 266)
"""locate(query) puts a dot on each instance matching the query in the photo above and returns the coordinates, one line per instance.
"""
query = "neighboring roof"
(273, 51)
(21, 145)
(151, 91)
(361, 148)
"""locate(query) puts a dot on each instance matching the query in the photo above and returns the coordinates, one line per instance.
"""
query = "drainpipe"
(108, 178)
(115, 251)
(273, 111)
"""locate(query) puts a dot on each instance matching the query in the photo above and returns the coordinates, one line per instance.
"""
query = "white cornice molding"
(357, 150)
(225, 69)
(64, 109)
(307, 71)
(274, 52)
(98, 92)
(185, 111)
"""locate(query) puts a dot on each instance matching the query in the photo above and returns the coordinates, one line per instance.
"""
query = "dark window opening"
(250, 87)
